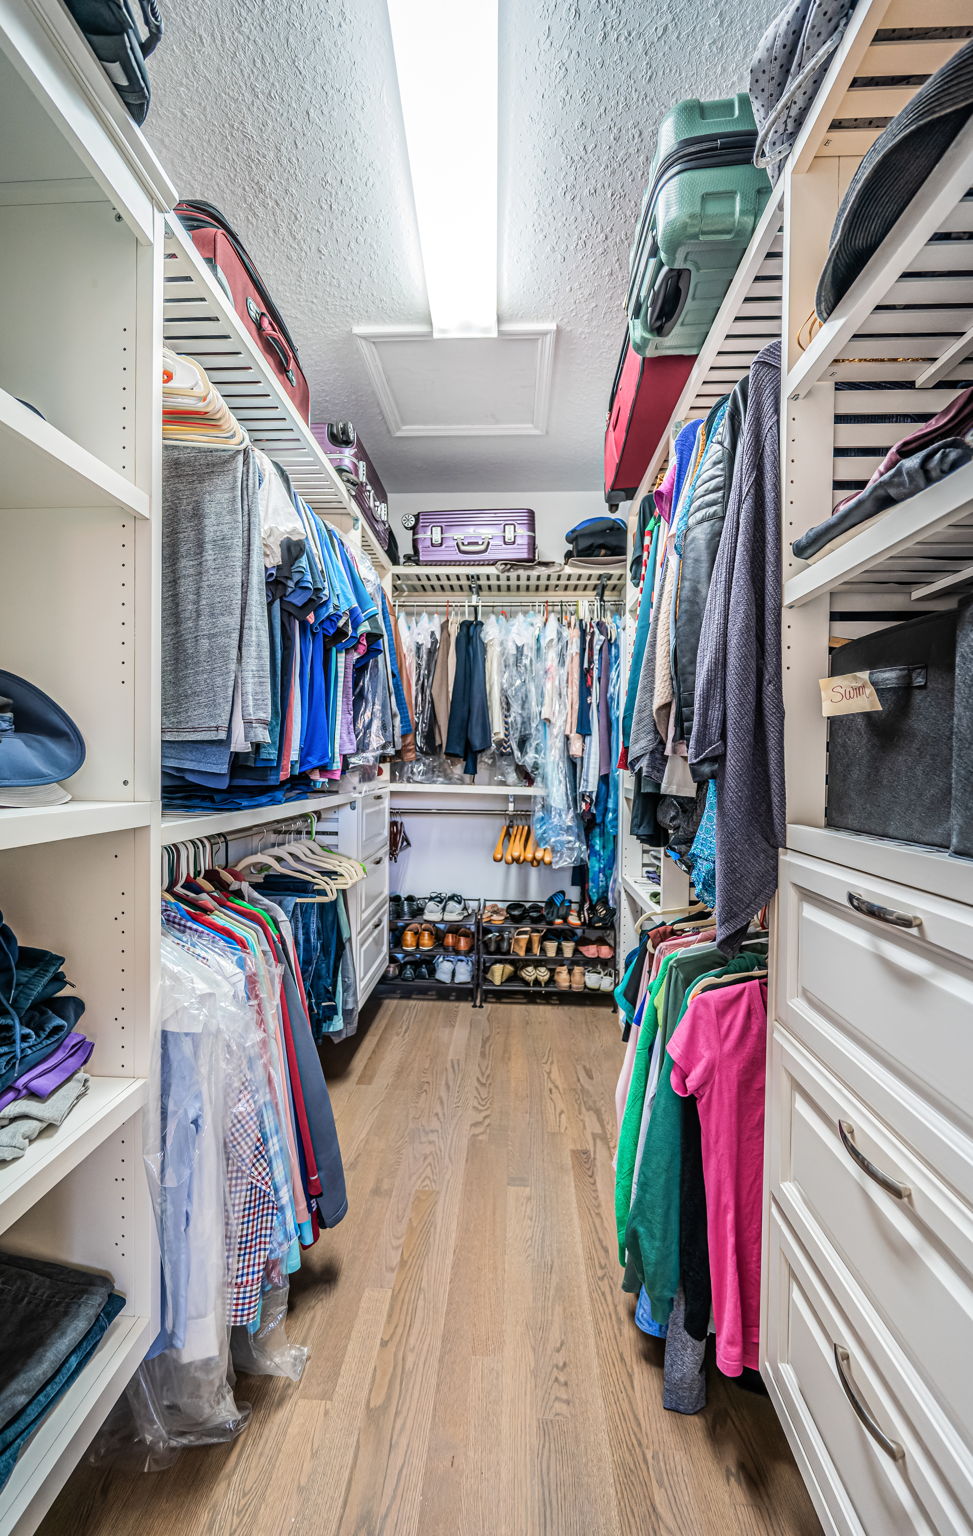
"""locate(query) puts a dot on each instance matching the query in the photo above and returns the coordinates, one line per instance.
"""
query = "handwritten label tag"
(850, 694)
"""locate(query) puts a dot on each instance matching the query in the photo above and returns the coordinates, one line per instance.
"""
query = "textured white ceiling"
(285, 115)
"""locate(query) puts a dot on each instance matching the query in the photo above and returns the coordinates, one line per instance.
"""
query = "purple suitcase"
(343, 447)
(473, 538)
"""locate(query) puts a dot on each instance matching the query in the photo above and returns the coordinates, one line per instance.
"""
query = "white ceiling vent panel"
(482, 387)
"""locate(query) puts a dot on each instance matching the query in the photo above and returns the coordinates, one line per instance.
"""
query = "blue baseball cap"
(39, 745)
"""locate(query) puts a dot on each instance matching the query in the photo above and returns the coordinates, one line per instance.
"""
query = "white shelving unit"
(81, 206)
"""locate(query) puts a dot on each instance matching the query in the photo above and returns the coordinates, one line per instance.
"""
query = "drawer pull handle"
(884, 914)
(842, 1360)
(847, 1133)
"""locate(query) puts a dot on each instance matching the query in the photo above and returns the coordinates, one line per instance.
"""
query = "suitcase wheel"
(409, 519)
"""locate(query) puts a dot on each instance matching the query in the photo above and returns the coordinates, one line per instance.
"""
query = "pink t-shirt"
(718, 1054)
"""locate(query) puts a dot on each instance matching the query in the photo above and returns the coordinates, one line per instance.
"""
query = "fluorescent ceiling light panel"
(446, 60)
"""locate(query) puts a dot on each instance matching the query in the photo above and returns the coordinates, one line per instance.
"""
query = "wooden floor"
(474, 1369)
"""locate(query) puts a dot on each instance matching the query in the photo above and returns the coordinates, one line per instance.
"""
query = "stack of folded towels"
(41, 1054)
(51, 1322)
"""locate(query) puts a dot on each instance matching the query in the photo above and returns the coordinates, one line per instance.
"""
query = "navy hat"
(39, 745)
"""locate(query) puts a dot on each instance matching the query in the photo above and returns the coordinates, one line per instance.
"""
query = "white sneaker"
(455, 909)
(463, 971)
(444, 969)
(435, 906)
(607, 981)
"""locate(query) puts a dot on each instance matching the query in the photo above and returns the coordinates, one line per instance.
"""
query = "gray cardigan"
(738, 730)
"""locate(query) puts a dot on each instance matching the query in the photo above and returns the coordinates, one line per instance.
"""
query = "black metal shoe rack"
(481, 990)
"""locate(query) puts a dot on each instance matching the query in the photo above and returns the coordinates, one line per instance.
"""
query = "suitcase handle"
(468, 546)
(268, 332)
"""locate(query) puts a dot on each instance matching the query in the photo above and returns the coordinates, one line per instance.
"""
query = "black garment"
(645, 808)
(693, 1243)
(469, 715)
(47, 1310)
(646, 513)
(680, 817)
(903, 480)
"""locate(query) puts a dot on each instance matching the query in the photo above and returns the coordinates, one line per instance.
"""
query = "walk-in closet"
(486, 741)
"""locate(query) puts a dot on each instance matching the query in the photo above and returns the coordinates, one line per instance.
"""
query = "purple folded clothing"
(44, 1076)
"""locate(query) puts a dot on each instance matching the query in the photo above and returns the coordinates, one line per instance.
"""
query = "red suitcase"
(643, 396)
(226, 255)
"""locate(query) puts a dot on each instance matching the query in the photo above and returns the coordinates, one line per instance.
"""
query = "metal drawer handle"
(884, 914)
(842, 1360)
(847, 1133)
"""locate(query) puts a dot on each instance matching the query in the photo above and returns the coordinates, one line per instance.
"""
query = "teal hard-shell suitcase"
(704, 199)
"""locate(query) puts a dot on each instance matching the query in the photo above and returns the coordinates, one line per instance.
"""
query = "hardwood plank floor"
(474, 1369)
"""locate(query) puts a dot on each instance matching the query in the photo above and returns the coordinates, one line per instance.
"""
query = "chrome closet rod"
(400, 812)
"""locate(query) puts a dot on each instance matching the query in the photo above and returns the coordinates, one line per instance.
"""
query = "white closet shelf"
(560, 583)
(180, 828)
(72, 118)
(747, 321)
(646, 892)
(501, 791)
(44, 468)
(77, 818)
(106, 1106)
(68, 1429)
(910, 864)
(200, 322)
(921, 547)
(864, 84)
(910, 271)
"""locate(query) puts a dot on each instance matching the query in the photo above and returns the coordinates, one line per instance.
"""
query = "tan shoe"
(542, 974)
(577, 978)
(567, 948)
(410, 936)
(549, 947)
(562, 978)
(535, 942)
(518, 945)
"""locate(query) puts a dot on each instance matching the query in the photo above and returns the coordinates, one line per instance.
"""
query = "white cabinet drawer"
(862, 1488)
(902, 1234)
(371, 950)
(374, 889)
(890, 1010)
(363, 825)
(374, 823)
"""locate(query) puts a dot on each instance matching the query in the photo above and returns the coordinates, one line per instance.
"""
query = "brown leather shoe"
(410, 936)
(428, 937)
(464, 940)
(449, 938)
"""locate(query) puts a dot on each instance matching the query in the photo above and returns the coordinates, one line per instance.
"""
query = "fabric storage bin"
(904, 772)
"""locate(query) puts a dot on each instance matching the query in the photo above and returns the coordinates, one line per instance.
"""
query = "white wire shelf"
(559, 583)
(200, 322)
(108, 1104)
(463, 790)
(42, 467)
(921, 548)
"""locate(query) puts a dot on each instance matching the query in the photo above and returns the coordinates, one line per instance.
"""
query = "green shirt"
(652, 1233)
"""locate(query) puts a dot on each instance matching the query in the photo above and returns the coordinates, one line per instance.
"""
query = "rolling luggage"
(344, 448)
(701, 206)
(643, 398)
(473, 538)
(226, 256)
